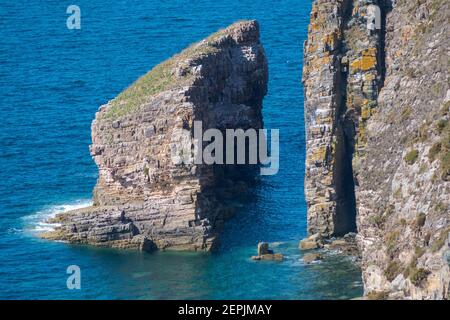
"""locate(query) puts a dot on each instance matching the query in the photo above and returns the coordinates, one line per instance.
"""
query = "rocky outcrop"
(264, 253)
(314, 241)
(377, 112)
(144, 198)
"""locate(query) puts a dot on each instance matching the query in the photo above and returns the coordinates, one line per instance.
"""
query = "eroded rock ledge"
(143, 200)
(378, 150)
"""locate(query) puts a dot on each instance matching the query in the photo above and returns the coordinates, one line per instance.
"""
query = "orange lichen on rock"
(365, 113)
(367, 62)
(318, 154)
(318, 62)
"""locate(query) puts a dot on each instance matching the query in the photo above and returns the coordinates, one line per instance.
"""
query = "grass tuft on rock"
(392, 270)
(411, 157)
(420, 220)
(440, 125)
(445, 164)
(418, 276)
(434, 151)
(440, 241)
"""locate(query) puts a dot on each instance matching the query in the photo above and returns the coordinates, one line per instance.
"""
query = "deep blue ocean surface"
(52, 80)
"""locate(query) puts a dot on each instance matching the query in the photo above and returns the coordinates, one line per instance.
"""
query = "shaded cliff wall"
(376, 106)
(142, 198)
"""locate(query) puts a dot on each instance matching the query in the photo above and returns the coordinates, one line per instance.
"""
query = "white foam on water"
(37, 222)
(14, 230)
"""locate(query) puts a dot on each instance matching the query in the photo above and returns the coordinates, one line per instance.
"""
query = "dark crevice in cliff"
(344, 219)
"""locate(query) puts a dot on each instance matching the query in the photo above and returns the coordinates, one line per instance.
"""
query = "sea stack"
(143, 198)
(377, 115)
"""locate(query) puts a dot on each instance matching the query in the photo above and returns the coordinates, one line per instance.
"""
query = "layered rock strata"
(143, 198)
(377, 112)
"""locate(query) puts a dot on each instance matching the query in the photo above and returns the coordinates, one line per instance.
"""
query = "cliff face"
(143, 199)
(377, 112)
(342, 74)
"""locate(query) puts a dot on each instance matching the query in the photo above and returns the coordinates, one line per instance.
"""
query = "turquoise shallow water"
(52, 81)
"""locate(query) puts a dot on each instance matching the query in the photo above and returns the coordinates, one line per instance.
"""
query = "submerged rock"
(145, 198)
(270, 257)
(311, 257)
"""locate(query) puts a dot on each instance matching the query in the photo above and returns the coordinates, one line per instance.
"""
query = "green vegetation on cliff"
(411, 157)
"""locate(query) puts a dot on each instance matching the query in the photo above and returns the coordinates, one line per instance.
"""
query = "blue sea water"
(52, 80)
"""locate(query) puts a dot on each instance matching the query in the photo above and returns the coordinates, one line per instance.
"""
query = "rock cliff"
(143, 198)
(378, 152)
